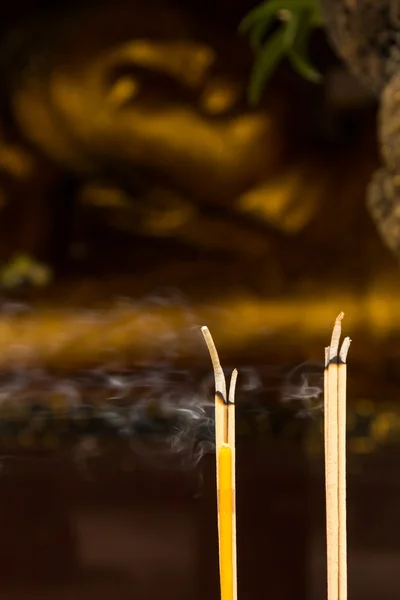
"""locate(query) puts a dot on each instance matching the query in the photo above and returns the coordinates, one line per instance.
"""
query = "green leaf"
(298, 54)
(304, 67)
(265, 64)
(304, 27)
(291, 28)
(262, 13)
(258, 32)
(270, 10)
(298, 18)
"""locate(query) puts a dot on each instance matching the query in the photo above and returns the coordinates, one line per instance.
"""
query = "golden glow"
(278, 200)
(219, 96)
(384, 425)
(124, 90)
(76, 338)
(185, 60)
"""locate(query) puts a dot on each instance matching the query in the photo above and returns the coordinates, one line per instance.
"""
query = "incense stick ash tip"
(339, 317)
(344, 349)
(335, 339)
(327, 349)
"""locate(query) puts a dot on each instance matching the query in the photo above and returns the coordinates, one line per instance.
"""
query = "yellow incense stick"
(225, 467)
(225, 509)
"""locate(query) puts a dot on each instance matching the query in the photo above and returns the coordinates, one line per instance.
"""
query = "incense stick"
(225, 462)
(232, 445)
(220, 392)
(332, 465)
(342, 383)
(331, 472)
(335, 463)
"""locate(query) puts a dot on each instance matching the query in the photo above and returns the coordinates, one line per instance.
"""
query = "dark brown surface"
(152, 533)
(121, 534)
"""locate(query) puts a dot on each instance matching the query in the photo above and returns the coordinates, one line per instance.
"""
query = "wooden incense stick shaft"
(335, 463)
(342, 377)
(232, 445)
(332, 461)
(225, 509)
(332, 482)
(326, 406)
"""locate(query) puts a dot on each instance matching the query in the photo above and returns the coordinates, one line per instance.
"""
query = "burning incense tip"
(232, 387)
(210, 345)
(220, 384)
(327, 356)
(336, 333)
